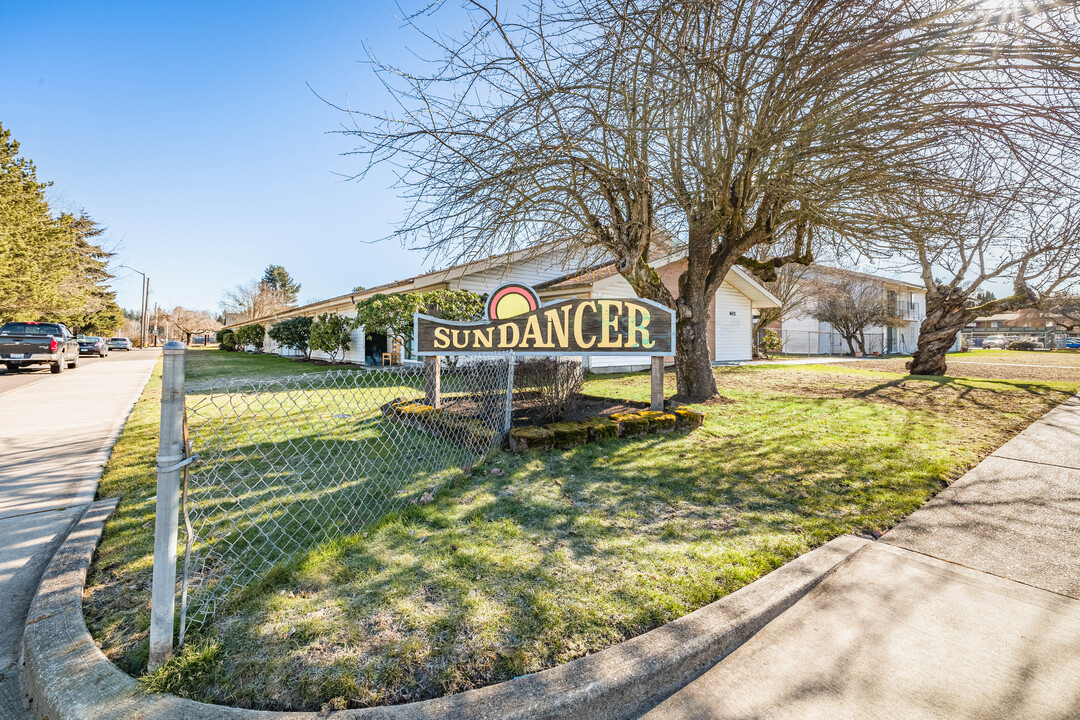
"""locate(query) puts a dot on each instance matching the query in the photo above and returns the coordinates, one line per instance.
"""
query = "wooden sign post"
(656, 384)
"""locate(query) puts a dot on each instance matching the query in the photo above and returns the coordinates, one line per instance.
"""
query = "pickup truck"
(32, 343)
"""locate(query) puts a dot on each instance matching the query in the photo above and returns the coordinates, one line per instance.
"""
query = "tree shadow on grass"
(508, 574)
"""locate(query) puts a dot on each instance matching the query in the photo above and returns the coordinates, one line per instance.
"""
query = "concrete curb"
(69, 678)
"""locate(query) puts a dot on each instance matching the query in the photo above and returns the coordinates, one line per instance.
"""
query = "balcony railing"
(909, 310)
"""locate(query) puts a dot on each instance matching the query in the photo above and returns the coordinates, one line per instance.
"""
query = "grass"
(559, 555)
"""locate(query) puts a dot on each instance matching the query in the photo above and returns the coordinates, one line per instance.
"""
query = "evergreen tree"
(278, 278)
(51, 268)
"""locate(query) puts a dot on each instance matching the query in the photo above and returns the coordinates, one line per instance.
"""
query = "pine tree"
(50, 268)
(278, 278)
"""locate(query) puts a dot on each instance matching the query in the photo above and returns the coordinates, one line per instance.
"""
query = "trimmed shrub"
(1021, 345)
(687, 419)
(631, 425)
(330, 333)
(293, 333)
(227, 340)
(555, 382)
(569, 434)
(252, 334)
(531, 437)
(659, 421)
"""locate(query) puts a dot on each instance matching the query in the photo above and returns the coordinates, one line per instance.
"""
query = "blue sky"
(190, 131)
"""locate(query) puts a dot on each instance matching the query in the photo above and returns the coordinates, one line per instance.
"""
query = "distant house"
(800, 333)
(999, 320)
(555, 274)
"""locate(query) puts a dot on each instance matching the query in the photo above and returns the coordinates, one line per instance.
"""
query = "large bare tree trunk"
(693, 360)
(937, 333)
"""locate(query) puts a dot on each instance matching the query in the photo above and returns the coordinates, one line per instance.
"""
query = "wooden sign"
(518, 322)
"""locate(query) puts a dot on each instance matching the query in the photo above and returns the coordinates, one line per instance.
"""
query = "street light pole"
(146, 311)
(142, 304)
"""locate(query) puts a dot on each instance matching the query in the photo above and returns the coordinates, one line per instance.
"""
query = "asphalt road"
(28, 376)
(56, 432)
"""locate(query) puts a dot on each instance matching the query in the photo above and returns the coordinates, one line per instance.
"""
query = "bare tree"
(192, 322)
(852, 304)
(730, 126)
(254, 300)
(1008, 224)
(793, 289)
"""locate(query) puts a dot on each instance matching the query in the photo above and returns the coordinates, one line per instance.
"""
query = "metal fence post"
(509, 393)
(169, 461)
(433, 370)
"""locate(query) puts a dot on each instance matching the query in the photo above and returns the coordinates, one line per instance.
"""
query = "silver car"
(119, 343)
(999, 342)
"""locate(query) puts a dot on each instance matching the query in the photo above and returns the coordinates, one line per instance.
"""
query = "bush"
(227, 340)
(330, 334)
(768, 343)
(253, 335)
(1021, 345)
(293, 333)
(555, 383)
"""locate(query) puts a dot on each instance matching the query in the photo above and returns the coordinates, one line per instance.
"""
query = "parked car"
(32, 343)
(119, 343)
(92, 345)
(996, 341)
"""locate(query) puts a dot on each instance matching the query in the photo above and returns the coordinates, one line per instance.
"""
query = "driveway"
(55, 435)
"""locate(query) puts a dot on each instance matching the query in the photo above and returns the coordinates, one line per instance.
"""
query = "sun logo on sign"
(510, 300)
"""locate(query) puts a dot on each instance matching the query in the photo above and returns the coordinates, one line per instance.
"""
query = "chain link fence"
(286, 464)
(814, 342)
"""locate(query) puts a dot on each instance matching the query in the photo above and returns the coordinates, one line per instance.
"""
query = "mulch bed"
(527, 412)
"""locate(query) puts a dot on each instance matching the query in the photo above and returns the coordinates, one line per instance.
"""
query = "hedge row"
(566, 435)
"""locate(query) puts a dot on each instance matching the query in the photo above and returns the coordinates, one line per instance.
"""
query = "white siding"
(615, 287)
(531, 272)
(732, 314)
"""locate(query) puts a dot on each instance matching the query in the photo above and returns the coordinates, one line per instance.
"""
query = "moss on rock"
(601, 428)
(631, 425)
(687, 419)
(659, 421)
(531, 437)
(569, 434)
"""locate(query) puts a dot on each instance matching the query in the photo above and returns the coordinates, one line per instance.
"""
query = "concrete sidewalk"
(968, 609)
(55, 436)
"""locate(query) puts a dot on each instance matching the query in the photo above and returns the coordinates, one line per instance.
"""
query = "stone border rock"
(69, 678)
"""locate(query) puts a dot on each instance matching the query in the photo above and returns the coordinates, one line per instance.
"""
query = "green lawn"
(562, 554)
